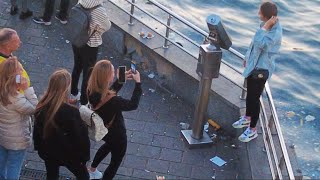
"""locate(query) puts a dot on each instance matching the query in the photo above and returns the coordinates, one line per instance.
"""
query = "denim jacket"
(263, 49)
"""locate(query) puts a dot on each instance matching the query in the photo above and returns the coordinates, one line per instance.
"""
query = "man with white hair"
(9, 43)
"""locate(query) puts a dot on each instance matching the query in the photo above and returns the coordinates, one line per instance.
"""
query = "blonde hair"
(56, 94)
(8, 86)
(99, 79)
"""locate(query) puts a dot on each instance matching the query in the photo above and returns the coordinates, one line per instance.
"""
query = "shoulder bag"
(96, 127)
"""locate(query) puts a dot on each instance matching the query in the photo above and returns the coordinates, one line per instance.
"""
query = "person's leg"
(25, 5)
(14, 3)
(77, 69)
(88, 59)
(48, 10)
(257, 89)
(3, 162)
(64, 6)
(14, 163)
(52, 170)
(117, 153)
(14, 7)
(102, 152)
(25, 13)
(250, 96)
(79, 170)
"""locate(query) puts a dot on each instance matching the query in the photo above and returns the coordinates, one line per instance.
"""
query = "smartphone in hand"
(133, 67)
(122, 74)
(18, 78)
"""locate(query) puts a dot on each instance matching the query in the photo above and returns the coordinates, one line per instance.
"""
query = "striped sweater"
(99, 21)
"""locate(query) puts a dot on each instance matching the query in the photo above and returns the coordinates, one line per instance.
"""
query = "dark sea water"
(296, 82)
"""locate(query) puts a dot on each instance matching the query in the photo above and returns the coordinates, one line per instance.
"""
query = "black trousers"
(84, 59)
(49, 8)
(78, 169)
(118, 148)
(254, 91)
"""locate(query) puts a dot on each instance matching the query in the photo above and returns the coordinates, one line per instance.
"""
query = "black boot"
(26, 14)
(13, 10)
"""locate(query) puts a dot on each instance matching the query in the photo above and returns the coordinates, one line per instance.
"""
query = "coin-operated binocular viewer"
(208, 68)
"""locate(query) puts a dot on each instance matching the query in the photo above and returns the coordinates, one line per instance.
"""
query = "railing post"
(281, 163)
(131, 11)
(167, 32)
(244, 94)
(270, 122)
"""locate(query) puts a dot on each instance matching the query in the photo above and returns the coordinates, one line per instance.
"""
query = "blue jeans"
(10, 163)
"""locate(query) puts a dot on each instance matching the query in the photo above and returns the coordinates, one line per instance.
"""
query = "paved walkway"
(154, 143)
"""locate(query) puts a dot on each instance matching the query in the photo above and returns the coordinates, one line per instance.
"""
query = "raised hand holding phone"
(133, 67)
(122, 74)
(136, 77)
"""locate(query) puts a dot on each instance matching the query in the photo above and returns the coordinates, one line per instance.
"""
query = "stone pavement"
(154, 143)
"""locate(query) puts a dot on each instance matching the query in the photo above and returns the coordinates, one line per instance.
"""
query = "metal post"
(270, 122)
(131, 13)
(210, 61)
(167, 32)
(244, 93)
(201, 107)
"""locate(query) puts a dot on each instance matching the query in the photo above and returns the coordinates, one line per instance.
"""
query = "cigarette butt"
(214, 124)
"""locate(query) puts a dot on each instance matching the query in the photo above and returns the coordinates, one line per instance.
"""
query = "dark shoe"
(61, 19)
(13, 10)
(26, 14)
(40, 20)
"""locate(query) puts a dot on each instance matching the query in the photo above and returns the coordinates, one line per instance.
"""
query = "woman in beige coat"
(15, 121)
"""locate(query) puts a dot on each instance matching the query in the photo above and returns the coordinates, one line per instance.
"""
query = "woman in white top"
(15, 123)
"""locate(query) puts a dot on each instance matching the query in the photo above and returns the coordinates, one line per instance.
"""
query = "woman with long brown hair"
(103, 95)
(15, 122)
(60, 136)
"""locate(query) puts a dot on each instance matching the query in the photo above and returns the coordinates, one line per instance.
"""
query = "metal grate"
(31, 174)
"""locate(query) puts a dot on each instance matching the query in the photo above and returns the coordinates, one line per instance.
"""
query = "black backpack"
(78, 25)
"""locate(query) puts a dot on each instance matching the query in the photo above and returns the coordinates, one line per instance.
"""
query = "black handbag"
(262, 74)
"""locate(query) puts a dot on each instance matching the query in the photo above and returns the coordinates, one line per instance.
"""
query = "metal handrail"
(277, 125)
(265, 128)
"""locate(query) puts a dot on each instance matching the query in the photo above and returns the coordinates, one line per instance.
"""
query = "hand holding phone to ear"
(22, 82)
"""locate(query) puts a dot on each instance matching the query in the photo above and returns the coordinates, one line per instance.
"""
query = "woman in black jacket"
(60, 136)
(99, 91)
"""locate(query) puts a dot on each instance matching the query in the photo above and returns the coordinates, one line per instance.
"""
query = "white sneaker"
(95, 174)
(242, 122)
(77, 97)
(248, 135)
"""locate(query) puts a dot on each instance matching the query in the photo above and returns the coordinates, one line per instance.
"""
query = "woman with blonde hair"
(102, 95)
(15, 122)
(60, 136)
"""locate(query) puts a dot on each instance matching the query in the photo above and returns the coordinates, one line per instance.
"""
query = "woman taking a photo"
(15, 122)
(100, 92)
(60, 136)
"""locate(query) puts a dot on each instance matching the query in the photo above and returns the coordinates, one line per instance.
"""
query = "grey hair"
(6, 35)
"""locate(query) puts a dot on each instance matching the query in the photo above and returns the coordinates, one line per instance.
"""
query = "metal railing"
(276, 160)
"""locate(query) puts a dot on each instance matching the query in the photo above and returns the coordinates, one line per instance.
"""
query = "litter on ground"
(310, 118)
(218, 161)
